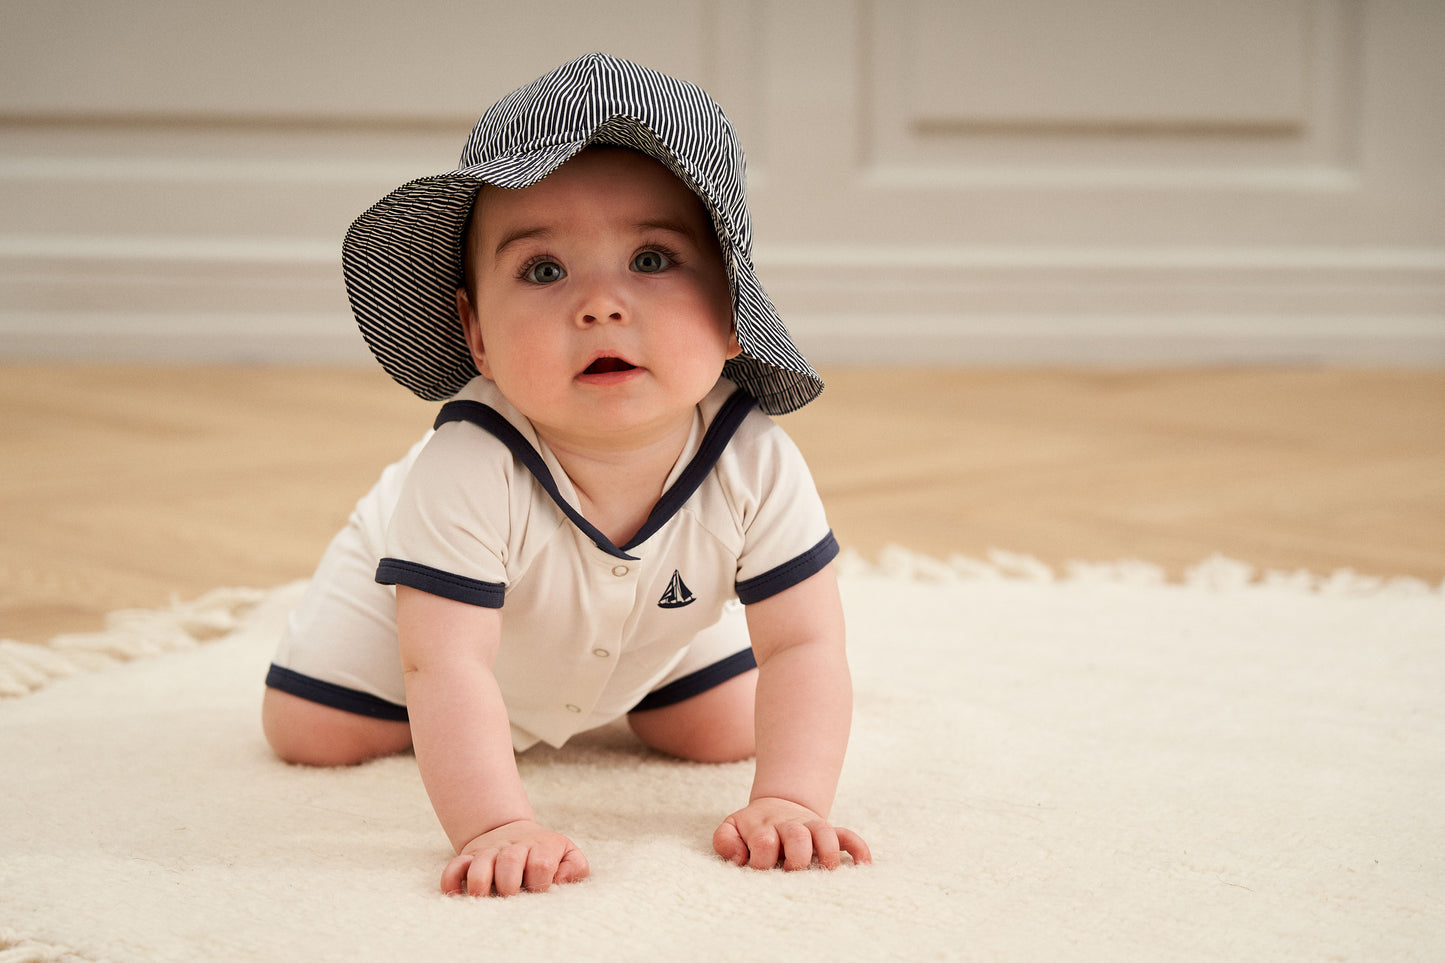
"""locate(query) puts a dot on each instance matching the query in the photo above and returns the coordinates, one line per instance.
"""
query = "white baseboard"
(1016, 340)
(138, 299)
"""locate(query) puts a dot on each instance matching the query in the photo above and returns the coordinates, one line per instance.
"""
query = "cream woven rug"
(1081, 766)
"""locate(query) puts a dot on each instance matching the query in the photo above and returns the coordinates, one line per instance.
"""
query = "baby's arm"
(804, 709)
(464, 751)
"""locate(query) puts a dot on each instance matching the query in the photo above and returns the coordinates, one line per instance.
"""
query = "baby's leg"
(704, 710)
(713, 726)
(316, 735)
(335, 693)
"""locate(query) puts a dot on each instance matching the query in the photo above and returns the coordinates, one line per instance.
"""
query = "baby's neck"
(618, 486)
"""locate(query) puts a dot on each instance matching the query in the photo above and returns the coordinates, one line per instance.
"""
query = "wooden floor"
(128, 486)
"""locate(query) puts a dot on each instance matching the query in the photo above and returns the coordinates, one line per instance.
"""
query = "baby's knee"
(311, 734)
(732, 743)
(714, 726)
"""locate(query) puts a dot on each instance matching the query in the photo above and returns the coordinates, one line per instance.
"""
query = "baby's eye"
(650, 262)
(543, 272)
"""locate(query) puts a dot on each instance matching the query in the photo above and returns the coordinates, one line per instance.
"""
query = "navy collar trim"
(714, 442)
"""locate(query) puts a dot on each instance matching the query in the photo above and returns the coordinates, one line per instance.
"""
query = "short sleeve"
(449, 534)
(786, 538)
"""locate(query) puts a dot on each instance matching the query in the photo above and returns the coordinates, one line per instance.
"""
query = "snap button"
(572, 708)
(619, 570)
(601, 653)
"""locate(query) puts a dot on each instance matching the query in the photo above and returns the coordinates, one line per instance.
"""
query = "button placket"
(616, 584)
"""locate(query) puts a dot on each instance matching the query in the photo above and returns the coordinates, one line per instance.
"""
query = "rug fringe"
(129, 634)
(1216, 573)
(137, 633)
(16, 949)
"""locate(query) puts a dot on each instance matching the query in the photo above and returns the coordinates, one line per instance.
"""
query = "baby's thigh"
(703, 711)
(335, 692)
(713, 726)
(301, 731)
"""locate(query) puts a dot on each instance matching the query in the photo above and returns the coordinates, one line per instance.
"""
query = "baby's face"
(601, 306)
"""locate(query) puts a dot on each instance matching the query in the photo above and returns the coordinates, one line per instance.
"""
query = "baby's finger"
(728, 843)
(508, 869)
(479, 875)
(797, 843)
(540, 869)
(854, 846)
(763, 848)
(825, 844)
(454, 877)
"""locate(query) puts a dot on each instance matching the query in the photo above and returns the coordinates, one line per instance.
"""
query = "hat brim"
(402, 260)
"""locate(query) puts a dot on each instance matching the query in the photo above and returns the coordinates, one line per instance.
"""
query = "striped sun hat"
(403, 257)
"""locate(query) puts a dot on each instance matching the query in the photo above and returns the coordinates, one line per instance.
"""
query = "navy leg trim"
(696, 683)
(333, 695)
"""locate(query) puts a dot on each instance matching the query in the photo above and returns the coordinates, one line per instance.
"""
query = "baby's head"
(597, 299)
(403, 258)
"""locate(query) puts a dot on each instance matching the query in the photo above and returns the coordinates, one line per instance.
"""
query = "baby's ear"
(734, 349)
(471, 330)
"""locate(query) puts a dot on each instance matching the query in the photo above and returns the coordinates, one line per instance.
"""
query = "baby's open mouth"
(608, 365)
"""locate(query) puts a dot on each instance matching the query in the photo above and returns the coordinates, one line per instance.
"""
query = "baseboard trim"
(178, 301)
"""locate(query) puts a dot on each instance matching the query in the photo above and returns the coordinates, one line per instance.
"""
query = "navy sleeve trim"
(785, 576)
(333, 695)
(458, 588)
(696, 683)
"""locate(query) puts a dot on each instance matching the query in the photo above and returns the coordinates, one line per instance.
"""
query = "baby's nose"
(602, 301)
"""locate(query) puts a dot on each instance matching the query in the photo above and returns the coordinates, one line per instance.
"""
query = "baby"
(570, 545)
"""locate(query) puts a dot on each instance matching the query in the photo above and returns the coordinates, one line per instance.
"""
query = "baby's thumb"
(728, 843)
(573, 867)
(454, 877)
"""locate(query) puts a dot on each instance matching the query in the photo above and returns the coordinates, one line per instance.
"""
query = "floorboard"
(128, 486)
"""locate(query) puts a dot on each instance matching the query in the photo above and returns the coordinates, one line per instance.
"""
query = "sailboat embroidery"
(677, 594)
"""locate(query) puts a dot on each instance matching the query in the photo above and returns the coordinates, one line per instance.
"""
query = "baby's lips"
(606, 364)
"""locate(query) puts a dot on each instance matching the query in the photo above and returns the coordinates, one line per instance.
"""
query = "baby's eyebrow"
(670, 225)
(522, 234)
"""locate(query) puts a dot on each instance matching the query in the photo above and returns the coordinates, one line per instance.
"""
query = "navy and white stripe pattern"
(403, 262)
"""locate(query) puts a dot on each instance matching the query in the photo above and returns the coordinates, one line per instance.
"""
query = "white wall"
(968, 181)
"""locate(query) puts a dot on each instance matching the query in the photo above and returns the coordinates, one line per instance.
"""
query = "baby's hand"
(512, 857)
(771, 829)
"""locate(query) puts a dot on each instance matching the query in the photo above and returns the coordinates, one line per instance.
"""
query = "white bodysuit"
(483, 513)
